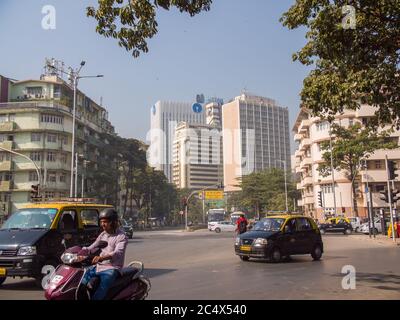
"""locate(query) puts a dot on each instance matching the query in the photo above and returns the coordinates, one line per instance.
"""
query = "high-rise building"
(164, 119)
(197, 161)
(310, 132)
(36, 121)
(255, 137)
(213, 114)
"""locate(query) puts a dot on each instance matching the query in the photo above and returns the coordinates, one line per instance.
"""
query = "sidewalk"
(379, 238)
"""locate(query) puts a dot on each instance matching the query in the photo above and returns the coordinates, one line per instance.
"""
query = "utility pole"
(333, 172)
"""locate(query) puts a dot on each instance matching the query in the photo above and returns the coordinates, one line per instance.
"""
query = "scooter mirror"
(63, 243)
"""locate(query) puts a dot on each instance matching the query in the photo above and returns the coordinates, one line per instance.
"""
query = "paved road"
(202, 265)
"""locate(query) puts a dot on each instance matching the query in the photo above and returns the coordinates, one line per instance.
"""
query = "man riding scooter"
(106, 266)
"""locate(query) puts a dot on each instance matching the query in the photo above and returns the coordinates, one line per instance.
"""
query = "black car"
(336, 225)
(279, 237)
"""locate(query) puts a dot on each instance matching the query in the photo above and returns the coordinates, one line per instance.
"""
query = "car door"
(68, 226)
(89, 218)
(290, 237)
(306, 235)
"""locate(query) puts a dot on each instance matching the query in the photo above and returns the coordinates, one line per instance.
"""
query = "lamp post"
(34, 163)
(286, 192)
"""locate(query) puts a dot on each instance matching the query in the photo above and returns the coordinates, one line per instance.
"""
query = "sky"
(238, 45)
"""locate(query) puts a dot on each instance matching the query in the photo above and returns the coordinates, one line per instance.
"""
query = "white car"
(364, 227)
(219, 226)
(355, 223)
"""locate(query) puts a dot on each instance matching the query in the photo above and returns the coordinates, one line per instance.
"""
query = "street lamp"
(286, 192)
(75, 78)
(26, 157)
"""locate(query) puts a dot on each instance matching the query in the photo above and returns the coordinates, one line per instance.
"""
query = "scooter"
(66, 281)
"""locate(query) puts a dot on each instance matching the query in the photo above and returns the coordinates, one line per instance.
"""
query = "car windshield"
(38, 218)
(269, 224)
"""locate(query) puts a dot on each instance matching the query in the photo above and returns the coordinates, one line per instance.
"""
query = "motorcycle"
(66, 281)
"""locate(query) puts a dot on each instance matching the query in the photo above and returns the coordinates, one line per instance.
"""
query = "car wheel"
(357, 229)
(375, 231)
(316, 253)
(244, 258)
(217, 230)
(2, 279)
(347, 231)
(276, 255)
(322, 231)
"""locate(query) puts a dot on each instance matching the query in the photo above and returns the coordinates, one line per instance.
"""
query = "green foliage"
(263, 191)
(353, 66)
(132, 22)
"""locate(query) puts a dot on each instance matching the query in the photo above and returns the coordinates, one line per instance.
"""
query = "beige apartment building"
(255, 137)
(36, 121)
(197, 156)
(309, 132)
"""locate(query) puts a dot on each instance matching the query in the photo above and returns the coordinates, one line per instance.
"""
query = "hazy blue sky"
(238, 44)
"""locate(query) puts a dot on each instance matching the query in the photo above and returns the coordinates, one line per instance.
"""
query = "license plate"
(245, 248)
(2, 272)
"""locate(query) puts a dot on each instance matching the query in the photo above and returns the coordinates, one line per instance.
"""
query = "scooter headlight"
(69, 258)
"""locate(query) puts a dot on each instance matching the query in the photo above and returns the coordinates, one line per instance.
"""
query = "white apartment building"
(36, 121)
(309, 133)
(164, 119)
(255, 137)
(197, 156)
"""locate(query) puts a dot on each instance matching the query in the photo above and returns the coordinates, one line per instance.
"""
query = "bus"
(215, 215)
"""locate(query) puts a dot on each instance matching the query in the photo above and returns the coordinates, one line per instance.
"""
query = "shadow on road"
(152, 273)
(26, 285)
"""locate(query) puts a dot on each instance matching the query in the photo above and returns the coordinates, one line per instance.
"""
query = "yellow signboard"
(214, 194)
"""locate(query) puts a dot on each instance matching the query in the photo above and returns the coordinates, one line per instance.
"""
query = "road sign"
(214, 194)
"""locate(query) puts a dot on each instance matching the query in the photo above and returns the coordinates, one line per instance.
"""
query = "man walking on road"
(241, 224)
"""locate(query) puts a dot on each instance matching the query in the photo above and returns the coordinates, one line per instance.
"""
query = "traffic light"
(320, 199)
(392, 168)
(395, 195)
(383, 196)
(34, 192)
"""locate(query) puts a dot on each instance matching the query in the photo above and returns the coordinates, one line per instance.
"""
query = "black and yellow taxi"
(279, 237)
(31, 239)
(336, 225)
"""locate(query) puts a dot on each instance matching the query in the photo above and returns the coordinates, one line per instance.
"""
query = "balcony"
(306, 162)
(299, 186)
(8, 145)
(6, 186)
(304, 125)
(298, 137)
(374, 176)
(307, 181)
(309, 200)
(298, 153)
(8, 126)
(6, 166)
(305, 143)
(299, 203)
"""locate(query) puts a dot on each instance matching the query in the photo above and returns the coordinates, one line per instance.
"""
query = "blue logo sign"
(153, 109)
(197, 108)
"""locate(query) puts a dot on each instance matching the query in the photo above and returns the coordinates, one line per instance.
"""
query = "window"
(3, 118)
(34, 91)
(51, 137)
(63, 139)
(35, 137)
(11, 117)
(51, 176)
(90, 218)
(63, 158)
(378, 164)
(303, 224)
(33, 176)
(351, 122)
(51, 156)
(36, 156)
(63, 177)
(51, 118)
(49, 194)
(4, 156)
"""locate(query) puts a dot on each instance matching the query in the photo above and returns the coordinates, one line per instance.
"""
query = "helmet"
(109, 214)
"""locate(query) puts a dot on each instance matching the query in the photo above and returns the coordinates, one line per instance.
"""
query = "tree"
(355, 63)
(350, 146)
(265, 190)
(132, 22)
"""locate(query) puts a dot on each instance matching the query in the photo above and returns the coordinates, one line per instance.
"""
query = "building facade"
(255, 137)
(164, 119)
(197, 156)
(36, 121)
(310, 132)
